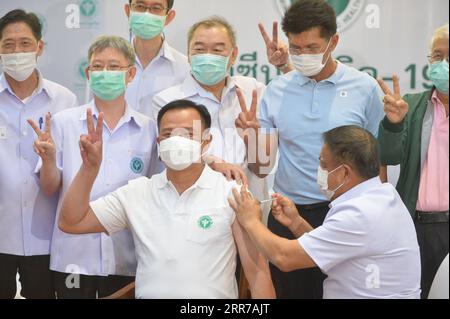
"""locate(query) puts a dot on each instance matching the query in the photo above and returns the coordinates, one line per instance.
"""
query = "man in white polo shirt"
(27, 216)
(367, 245)
(99, 263)
(185, 232)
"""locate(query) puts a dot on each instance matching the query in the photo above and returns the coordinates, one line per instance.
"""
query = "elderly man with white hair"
(415, 135)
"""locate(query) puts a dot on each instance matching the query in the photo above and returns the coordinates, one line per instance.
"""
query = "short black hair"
(305, 15)
(356, 147)
(183, 105)
(20, 15)
(169, 3)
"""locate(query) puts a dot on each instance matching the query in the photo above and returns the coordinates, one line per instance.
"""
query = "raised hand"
(91, 145)
(44, 146)
(395, 106)
(247, 119)
(277, 52)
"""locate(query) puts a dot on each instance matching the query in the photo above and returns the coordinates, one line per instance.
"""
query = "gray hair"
(214, 21)
(118, 43)
(356, 147)
(440, 33)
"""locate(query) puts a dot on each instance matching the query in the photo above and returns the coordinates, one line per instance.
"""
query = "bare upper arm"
(248, 253)
(88, 225)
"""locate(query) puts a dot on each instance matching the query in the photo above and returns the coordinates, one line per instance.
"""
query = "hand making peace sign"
(44, 146)
(277, 52)
(247, 118)
(91, 145)
(394, 106)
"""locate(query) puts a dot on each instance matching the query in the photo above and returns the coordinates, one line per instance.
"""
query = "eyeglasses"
(297, 51)
(437, 57)
(154, 9)
(99, 68)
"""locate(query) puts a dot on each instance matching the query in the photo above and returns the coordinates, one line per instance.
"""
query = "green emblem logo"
(82, 65)
(205, 222)
(87, 8)
(137, 165)
(43, 23)
(347, 11)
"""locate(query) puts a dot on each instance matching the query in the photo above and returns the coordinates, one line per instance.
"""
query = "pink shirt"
(434, 187)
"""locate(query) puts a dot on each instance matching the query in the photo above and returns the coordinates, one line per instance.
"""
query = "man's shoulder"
(170, 94)
(177, 57)
(70, 115)
(143, 119)
(418, 98)
(362, 78)
(58, 91)
(247, 83)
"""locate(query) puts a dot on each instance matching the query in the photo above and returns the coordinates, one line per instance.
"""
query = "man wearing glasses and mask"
(158, 65)
(415, 135)
(94, 265)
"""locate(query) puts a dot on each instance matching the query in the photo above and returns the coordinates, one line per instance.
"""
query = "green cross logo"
(205, 222)
(347, 11)
(87, 8)
(137, 165)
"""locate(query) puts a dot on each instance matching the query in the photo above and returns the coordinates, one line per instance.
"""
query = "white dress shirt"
(367, 246)
(184, 244)
(129, 151)
(26, 214)
(167, 69)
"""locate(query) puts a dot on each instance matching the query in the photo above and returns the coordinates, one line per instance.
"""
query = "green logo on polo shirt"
(347, 11)
(205, 222)
(137, 165)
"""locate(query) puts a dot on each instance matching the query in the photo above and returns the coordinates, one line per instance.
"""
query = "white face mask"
(322, 180)
(310, 64)
(178, 153)
(19, 66)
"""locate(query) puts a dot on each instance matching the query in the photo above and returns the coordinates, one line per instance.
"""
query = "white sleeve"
(342, 237)
(111, 211)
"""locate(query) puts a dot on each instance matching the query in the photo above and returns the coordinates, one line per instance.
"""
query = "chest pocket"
(209, 225)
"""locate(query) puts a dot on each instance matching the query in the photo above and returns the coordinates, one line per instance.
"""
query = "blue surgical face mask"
(438, 74)
(209, 69)
(107, 85)
(146, 25)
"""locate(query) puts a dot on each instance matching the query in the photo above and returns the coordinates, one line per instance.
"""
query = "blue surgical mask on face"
(438, 74)
(209, 69)
(146, 25)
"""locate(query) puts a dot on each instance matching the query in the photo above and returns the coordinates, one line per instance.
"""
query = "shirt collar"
(165, 52)
(206, 180)
(129, 114)
(192, 88)
(357, 191)
(42, 86)
(334, 78)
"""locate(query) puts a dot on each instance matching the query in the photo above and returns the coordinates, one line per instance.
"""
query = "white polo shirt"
(26, 214)
(227, 144)
(167, 69)
(184, 244)
(128, 153)
(367, 246)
